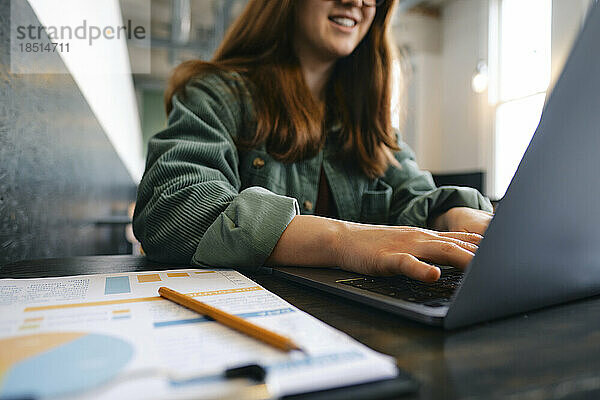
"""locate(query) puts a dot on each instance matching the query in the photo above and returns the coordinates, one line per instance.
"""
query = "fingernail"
(434, 274)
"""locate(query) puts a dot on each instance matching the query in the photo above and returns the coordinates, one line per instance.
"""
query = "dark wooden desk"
(553, 353)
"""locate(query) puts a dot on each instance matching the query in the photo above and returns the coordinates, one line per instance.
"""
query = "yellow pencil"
(232, 321)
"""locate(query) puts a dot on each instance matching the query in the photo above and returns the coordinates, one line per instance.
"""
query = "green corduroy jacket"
(202, 201)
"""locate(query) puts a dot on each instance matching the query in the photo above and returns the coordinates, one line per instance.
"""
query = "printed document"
(111, 336)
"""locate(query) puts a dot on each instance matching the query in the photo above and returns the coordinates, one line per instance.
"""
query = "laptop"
(542, 246)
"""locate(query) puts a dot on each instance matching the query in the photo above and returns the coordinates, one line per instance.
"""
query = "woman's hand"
(372, 249)
(387, 250)
(463, 219)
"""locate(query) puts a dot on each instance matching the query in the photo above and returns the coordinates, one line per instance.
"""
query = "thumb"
(406, 264)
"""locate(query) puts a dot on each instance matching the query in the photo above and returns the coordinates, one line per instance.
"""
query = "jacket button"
(258, 163)
(308, 206)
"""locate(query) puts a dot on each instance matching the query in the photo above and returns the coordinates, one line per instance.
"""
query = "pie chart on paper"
(55, 364)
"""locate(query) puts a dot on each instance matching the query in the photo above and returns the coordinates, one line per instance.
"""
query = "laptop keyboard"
(436, 294)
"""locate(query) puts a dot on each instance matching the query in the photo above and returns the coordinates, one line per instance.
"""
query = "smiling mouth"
(343, 21)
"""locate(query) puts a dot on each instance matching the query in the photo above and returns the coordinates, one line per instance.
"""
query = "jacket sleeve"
(416, 199)
(189, 208)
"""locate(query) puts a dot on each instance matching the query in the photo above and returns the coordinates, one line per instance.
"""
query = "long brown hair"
(288, 120)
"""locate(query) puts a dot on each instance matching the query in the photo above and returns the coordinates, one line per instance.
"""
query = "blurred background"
(72, 144)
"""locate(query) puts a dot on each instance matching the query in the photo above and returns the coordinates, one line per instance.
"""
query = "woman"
(281, 152)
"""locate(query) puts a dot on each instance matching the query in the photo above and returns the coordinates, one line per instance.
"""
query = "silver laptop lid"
(542, 246)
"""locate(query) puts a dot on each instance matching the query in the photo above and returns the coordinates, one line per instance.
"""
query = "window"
(522, 74)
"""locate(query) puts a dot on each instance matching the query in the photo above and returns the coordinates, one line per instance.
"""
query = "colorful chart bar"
(92, 304)
(266, 313)
(224, 291)
(121, 314)
(117, 285)
(181, 322)
(148, 278)
(28, 327)
(206, 319)
(136, 300)
(177, 275)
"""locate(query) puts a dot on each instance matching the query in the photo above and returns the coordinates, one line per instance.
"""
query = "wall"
(420, 37)
(446, 117)
(567, 17)
(60, 176)
(452, 127)
(464, 43)
(103, 73)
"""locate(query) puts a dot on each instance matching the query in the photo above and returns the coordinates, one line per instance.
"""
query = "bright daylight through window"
(523, 76)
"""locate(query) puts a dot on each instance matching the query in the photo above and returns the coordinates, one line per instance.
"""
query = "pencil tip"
(300, 349)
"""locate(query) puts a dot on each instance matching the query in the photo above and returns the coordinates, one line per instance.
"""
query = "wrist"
(337, 239)
(309, 241)
(327, 242)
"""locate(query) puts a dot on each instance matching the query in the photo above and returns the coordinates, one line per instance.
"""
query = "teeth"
(343, 21)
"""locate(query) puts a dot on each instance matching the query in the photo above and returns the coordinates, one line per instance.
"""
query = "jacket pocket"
(375, 206)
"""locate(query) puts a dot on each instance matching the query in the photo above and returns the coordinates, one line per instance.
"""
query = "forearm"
(308, 241)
